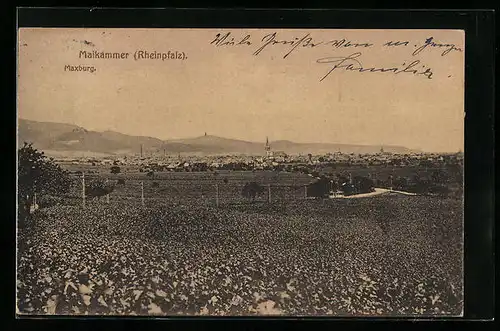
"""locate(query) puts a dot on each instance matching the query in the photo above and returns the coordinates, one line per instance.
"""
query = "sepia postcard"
(240, 172)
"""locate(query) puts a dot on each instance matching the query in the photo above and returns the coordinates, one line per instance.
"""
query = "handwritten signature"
(353, 63)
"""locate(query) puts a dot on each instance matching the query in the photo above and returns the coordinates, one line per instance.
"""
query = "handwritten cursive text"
(353, 63)
(429, 42)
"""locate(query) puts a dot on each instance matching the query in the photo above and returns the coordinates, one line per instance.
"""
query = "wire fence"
(201, 192)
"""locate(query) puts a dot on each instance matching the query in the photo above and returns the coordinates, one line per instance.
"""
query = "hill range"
(60, 139)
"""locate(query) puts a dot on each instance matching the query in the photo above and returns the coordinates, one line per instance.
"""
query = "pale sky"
(228, 91)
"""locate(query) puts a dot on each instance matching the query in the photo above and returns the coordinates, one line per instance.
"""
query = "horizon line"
(239, 139)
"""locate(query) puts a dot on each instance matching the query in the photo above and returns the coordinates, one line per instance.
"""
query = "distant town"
(269, 160)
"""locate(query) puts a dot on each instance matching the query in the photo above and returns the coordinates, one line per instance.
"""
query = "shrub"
(363, 184)
(115, 170)
(348, 189)
(320, 188)
(98, 188)
(251, 190)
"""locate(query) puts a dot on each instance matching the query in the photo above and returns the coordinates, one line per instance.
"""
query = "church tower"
(268, 148)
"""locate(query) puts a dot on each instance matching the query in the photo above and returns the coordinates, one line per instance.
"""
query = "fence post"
(142, 193)
(83, 189)
(305, 191)
(217, 195)
(107, 195)
(269, 192)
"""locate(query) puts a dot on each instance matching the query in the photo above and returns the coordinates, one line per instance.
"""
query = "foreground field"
(389, 255)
